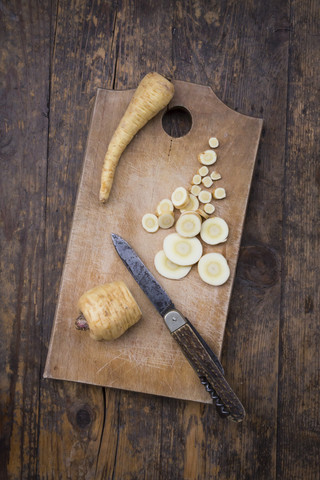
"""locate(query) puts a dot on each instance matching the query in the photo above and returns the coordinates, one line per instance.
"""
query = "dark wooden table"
(262, 59)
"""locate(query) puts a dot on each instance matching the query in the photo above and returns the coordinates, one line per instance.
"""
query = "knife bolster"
(174, 320)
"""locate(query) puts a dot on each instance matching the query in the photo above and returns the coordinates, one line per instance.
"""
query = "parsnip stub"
(196, 179)
(109, 310)
(208, 157)
(192, 205)
(182, 251)
(205, 196)
(195, 190)
(209, 208)
(219, 193)
(164, 206)
(213, 142)
(168, 269)
(150, 222)
(207, 181)
(203, 171)
(214, 230)
(188, 224)
(215, 175)
(166, 220)
(213, 269)
(180, 197)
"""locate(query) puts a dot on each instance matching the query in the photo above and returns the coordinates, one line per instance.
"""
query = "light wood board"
(146, 359)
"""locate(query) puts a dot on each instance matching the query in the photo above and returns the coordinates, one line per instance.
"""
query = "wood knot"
(83, 417)
(258, 265)
(308, 304)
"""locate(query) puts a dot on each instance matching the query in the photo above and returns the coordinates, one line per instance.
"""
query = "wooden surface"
(152, 166)
(261, 59)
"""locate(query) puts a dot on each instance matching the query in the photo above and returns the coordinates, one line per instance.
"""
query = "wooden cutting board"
(146, 359)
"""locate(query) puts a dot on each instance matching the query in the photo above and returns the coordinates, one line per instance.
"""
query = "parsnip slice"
(195, 190)
(219, 193)
(166, 220)
(202, 213)
(203, 171)
(192, 205)
(205, 197)
(150, 222)
(164, 206)
(188, 224)
(168, 269)
(208, 157)
(180, 197)
(213, 269)
(207, 181)
(182, 251)
(209, 208)
(214, 230)
(213, 142)
(215, 175)
(196, 179)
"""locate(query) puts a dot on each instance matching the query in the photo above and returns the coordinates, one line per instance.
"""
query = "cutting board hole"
(177, 122)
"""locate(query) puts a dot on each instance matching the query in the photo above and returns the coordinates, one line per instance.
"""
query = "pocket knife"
(196, 350)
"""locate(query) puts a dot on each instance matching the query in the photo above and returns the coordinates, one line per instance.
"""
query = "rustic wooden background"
(261, 58)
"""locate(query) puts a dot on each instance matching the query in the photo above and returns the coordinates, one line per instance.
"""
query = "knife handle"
(206, 365)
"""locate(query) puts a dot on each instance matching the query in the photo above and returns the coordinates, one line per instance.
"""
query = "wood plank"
(136, 25)
(222, 46)
(24, 64)
(299, 398)
(72, 416)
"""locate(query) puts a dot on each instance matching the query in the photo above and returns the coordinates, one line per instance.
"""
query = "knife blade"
(196, 350)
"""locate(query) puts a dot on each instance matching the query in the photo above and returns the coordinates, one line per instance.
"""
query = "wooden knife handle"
(207, 368)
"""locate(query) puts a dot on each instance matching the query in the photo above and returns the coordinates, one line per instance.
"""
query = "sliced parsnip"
(196, 179)
(168, 269)
(195, 190)
(208, 157)
(214, 230)
(166, 220)
(205, 197)
(219, 193)
(192, 205)
(164, 206)
(188, 224)
(215, 175)
(182, 251)
(202, 213)
(213, 269)
(203, 171)
(207, 181)
(213, 142)
(150, 222)
(180, 197)
(209, 208)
